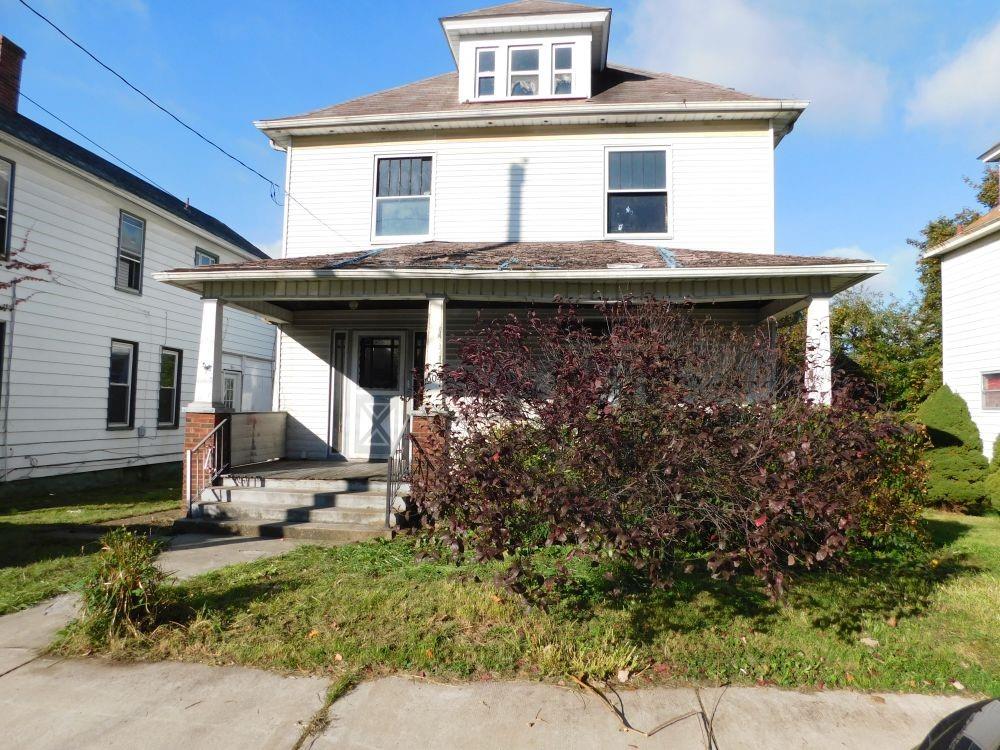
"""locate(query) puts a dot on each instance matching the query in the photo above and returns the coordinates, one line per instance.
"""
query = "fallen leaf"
(338, 657)
(430, 654)
(878, 699)
(891, 622)
(495, 598)
(848, 676)
(623, 675)
(957, 685)
(313, 633)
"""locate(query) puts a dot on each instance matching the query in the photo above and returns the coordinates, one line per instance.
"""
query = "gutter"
(181, 277)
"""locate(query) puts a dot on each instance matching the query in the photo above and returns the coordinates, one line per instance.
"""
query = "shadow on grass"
(26, 544)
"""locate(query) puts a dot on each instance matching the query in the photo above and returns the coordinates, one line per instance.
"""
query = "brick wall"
(196, 426)
(429, 432)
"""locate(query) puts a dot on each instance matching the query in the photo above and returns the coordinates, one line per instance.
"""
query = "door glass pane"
(637, 213)
(378, 366)
(405, 216)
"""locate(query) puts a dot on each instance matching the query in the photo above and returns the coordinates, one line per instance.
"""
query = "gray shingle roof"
(527, 8)
(524, 256)
(40, 137)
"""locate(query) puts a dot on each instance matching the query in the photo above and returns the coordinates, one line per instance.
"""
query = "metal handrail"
(215, 462)
(398, 468)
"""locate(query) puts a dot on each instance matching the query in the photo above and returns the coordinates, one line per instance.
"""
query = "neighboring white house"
(535, 169)
(99, 358)
(970, 316)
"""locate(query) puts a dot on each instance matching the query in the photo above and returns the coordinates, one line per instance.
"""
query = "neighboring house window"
(6, 199)
(121, 384)
(204, 258)
(637, 192)
(991, 390)
(131, 242)
(524, 71)
(486, 65)
(562, 69)
(232, 389)
(168, 408)
(403, 197)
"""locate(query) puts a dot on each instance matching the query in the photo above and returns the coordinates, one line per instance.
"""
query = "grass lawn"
(38, 557)
(371, 608)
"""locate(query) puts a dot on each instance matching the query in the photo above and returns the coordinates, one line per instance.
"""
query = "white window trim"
(130, 402)
(141, 260)
(494, 75)
(237, 378)
(668, 189)
(571, 70)
(402, 239)
(536, 72)
(982, 388)
(207, 253)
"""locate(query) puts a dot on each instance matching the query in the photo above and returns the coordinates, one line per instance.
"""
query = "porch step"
(298, 498)
(256, 511)
(316, 533)
(246, 481)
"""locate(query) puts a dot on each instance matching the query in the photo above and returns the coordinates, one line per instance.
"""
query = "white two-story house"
(98, 358)
(535, 168)
(970, 316)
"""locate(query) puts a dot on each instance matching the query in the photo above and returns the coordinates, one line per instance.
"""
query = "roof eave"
(991, 154)
(961, 240)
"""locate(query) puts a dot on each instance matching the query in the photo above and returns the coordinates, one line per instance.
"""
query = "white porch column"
(819, 364)
(208, 378)
(434, 351)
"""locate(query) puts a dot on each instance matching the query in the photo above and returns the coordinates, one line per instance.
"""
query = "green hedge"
(993, 480)
(957, 467)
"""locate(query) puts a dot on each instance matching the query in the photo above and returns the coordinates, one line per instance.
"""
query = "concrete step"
(307, 498)
(264, 512)
(316, 533)
(316, 485)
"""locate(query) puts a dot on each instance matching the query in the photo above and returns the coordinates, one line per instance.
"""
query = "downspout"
(8, 362)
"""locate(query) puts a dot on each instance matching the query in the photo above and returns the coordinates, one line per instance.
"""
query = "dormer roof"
(528, 8)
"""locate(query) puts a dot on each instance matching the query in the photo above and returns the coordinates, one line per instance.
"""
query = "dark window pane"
(524, 59)
(379, 362)
(487, 86)
(635, 213)
(168, 369)
(404, 177)
(635, 170)
(121, 365)
(383, 177)
(401, 177)
(118, 405)
(165, 410)
(487, 61)
(132, 231)
(991, 381)
(564, 58)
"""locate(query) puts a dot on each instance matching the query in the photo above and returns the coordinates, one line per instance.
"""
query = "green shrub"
(957, 466)
(993, 480)
(124, 593)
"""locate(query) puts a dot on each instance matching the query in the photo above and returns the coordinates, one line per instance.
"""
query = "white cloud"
(760, 51)
(965, 88)
(898, 279)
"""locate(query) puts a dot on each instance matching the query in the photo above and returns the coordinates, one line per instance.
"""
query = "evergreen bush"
(993, 479)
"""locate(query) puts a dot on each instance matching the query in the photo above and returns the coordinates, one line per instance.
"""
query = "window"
(378, 362)
(524, 71)
(169, 406)
(204, 258)
(637, 192)
(232, 389)
(121, 385)
(403, 197)
(131, 241)
(991, 390)
(6, 198)
(562, 69)
(486, 65)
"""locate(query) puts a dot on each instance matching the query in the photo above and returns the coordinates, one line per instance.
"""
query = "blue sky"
(905, 94)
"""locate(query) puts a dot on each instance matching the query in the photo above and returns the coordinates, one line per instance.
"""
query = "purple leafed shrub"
(656, 440)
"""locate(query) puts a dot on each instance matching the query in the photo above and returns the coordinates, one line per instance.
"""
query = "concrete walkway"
(91, 703)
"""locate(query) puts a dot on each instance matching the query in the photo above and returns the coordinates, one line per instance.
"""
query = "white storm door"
(376, 405)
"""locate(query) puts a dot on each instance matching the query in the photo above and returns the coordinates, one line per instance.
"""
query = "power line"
(274, 187)
(94, 143)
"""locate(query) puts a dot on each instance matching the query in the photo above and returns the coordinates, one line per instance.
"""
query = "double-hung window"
(168, 408)
(562, 69)
(6, 199)
(232, 389)
(524, 72)
(486, 67)
(637, 192)
(403, 197)
(121, 384)
(131, 243)
(991, 390)
(204, 258)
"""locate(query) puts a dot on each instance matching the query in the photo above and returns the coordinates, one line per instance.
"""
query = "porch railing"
(204, 463)
(398, 469)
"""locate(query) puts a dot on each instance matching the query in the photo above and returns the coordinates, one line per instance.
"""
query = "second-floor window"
(204, 258)
(131, 244)
(637, 192)
(562, 69)
(6, 198)
(486, 67)
(524, 71)
(403, 197)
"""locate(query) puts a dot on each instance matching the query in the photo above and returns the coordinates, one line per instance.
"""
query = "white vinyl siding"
(534, 185)
(970, 301)
(61, 337)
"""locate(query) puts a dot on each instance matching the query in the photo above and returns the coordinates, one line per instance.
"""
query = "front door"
(376, 407)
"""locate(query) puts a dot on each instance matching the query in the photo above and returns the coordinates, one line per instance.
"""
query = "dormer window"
(524, 71)
(486, 66)
(562, 69)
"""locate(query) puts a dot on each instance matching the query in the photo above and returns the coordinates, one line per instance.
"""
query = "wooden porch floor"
(314, 470)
